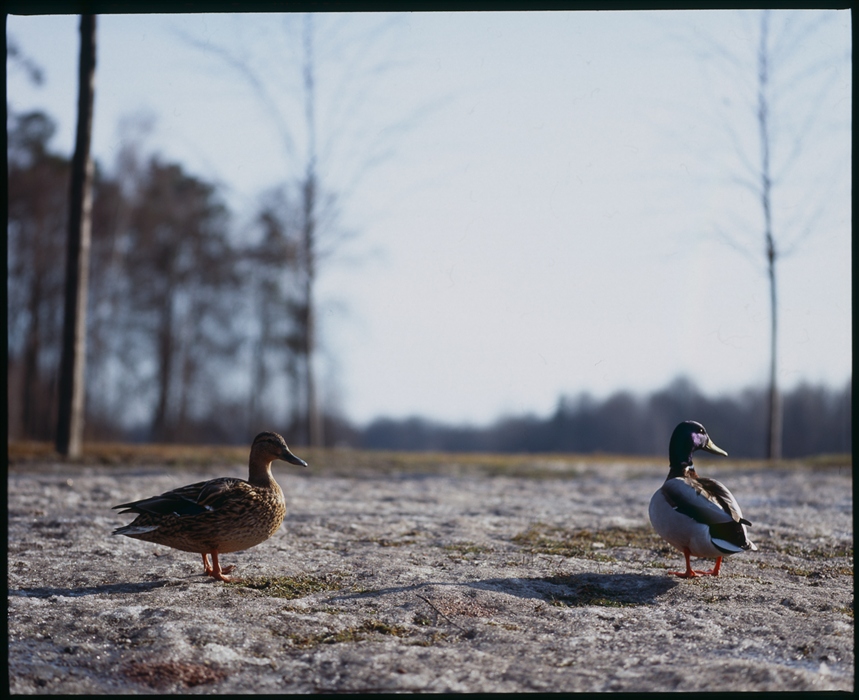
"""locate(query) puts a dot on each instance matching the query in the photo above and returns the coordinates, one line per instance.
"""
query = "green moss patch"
(465, 550)
(585, 544)
(823, 572)
(833, 551)
(290, 587)
(385, 542)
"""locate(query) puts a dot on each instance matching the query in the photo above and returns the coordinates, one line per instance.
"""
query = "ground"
(452, 575)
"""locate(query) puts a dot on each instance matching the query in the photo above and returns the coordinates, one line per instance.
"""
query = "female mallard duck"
(698, 516)
(218, 516)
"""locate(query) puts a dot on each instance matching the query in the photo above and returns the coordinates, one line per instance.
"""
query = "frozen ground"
(458, 582)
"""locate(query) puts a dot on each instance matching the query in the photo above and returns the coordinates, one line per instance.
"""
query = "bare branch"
(16, 57)
(244, 70)
(816, 103)
(796, 30)
(427, 601)
(753, 186)
(811, 220)
(739, 247)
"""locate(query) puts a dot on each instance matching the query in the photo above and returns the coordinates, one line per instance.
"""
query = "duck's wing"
(709, 502)
(692, 499)
(718, 492)
(186, 500)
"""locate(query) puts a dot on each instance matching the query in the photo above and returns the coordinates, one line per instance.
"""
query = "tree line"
(197, 332)
(181, 310)
(817, 420)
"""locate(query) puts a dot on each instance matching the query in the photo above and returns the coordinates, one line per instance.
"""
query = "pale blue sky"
(549, 220)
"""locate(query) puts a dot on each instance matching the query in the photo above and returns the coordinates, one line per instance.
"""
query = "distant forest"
(817, 421)
(194, 331)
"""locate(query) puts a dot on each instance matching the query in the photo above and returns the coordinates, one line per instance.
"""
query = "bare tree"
(71, 384)
(31, 238)
(37, 237)
(273, 305)
(308, 244)
(311, 158)
(787, 99)
(774, 425)
(164, 278)
(181, 281)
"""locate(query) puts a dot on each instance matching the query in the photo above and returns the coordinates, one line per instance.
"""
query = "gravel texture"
(454, 581)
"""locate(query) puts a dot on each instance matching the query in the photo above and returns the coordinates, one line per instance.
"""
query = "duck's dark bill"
(292, 459)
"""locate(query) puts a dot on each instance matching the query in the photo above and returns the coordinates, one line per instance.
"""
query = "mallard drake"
(217, 516)
(698, 516)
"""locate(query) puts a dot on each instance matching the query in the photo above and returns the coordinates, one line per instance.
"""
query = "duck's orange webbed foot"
(685, 574)
(216, 572)
(715, 570)
(689, 573)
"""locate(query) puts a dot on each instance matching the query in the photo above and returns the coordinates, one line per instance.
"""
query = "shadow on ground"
(571, 590)
(46, 592)
(584, 589)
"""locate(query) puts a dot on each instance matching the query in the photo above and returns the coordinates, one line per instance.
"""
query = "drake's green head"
(688, 437)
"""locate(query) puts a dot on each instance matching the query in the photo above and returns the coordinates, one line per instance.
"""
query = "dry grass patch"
(366, 630)
(331, 461)
(123, 454)
(406, 538)
(461, 551)
(160, 674)
(337, 461)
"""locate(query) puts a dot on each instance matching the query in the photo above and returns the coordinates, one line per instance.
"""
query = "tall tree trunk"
(166, 351)
(314, 418)
(32, 389)
(774, 431)
(259, 378)
(774, 423)
(70, 421)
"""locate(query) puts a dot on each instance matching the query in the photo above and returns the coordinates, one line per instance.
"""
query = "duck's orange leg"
(694, 573)
(715, 570)
(689, 573)
(215, 571)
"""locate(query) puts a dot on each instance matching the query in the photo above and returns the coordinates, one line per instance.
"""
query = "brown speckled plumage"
(218, 516)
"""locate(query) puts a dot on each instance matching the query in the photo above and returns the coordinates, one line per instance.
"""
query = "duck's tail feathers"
(133, 530)
(730, 537)
(726, 547)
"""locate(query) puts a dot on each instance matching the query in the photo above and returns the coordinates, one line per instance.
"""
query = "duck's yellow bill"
(711, 447)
